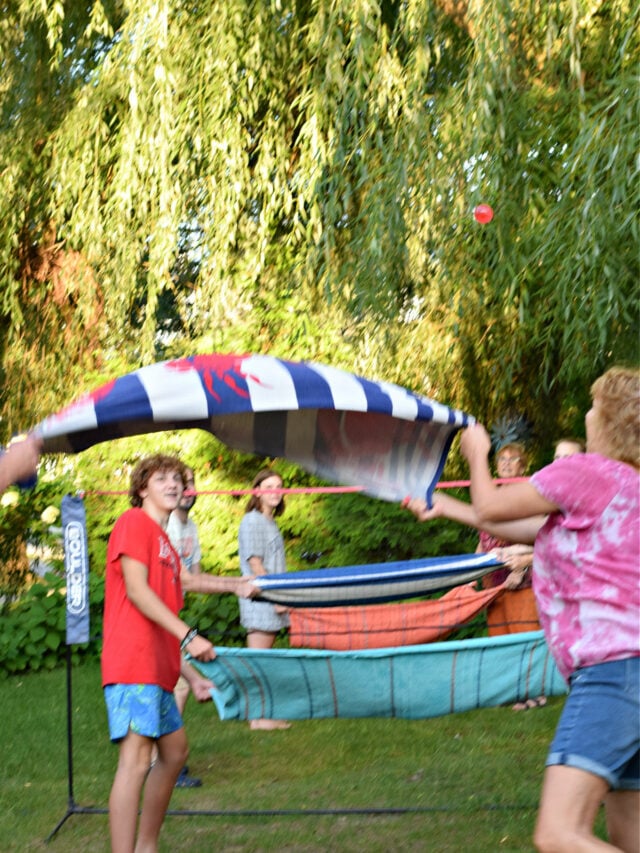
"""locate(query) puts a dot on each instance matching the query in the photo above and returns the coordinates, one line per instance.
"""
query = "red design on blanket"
(217, 371)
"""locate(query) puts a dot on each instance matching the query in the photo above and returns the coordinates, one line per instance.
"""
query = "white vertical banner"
(76, 561)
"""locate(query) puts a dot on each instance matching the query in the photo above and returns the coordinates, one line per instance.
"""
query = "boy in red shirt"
(141, 657)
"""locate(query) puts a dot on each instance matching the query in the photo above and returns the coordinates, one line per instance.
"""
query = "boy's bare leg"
(133, 765)
(172, 755)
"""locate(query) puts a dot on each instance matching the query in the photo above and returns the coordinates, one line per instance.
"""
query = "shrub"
(26, 516)
(33, 633)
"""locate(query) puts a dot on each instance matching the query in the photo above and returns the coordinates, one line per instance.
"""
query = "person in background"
(183, 533)
(514, 611)
(583, 515)
(19, 461)
(567, 447)
(141, 656)
(261, 550)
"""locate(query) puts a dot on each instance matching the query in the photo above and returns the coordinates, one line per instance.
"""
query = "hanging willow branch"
(299, 176)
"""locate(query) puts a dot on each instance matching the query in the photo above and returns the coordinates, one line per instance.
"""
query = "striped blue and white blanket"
(344, 428)
(375, 582)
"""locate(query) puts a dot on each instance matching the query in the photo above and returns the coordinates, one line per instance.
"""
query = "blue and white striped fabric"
(339, 426)
(374, 583)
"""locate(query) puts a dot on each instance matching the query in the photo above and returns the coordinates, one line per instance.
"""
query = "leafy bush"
(26, 532)
(33, 633)
(216, 617)
(350, 529)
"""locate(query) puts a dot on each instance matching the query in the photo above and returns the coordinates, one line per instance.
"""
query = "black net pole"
(70, 798)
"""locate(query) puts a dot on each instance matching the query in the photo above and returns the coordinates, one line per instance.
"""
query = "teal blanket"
(412, 682)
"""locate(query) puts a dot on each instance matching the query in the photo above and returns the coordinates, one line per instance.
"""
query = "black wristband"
(191, 634)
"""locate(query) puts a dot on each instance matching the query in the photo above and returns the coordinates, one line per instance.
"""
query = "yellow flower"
(50, 514)
(10, 499)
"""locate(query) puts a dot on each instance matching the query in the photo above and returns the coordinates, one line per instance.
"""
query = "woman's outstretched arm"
(522, 531)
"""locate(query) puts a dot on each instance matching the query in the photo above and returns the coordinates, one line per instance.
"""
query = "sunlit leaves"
(298, 176)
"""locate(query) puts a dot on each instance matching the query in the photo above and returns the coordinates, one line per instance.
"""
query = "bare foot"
(269, 725)
(540, 702)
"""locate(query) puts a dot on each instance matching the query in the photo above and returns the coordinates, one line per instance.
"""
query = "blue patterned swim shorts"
(145, 709)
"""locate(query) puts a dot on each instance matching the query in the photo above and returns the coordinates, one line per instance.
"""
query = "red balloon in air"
(483, 213)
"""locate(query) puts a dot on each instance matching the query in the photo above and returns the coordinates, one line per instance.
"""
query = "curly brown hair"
(618, 414)
(254, 500)
(148, 466)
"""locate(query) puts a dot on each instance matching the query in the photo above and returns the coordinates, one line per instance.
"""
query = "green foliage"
(33, 635)
(216, 616)
(27, 534)
(350, 529)
(299, 177)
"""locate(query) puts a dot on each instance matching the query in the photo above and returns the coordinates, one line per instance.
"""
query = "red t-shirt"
(137, 650)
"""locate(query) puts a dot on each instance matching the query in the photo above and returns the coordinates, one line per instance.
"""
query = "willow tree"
(299, 176)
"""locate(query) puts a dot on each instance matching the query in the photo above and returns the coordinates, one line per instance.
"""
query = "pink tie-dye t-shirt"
(586, 566)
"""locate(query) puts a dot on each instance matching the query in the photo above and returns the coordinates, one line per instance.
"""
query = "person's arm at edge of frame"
(20, 461)
(493, 505)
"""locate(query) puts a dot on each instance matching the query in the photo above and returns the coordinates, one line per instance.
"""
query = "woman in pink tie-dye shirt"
(583, 515)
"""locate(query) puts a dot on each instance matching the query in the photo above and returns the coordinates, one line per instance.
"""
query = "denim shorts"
(599, 729)
(145, 709)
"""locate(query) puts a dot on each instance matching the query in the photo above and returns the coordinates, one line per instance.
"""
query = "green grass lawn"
(470, 782)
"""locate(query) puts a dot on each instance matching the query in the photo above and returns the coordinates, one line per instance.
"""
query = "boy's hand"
(201, 687)
(201, 649)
